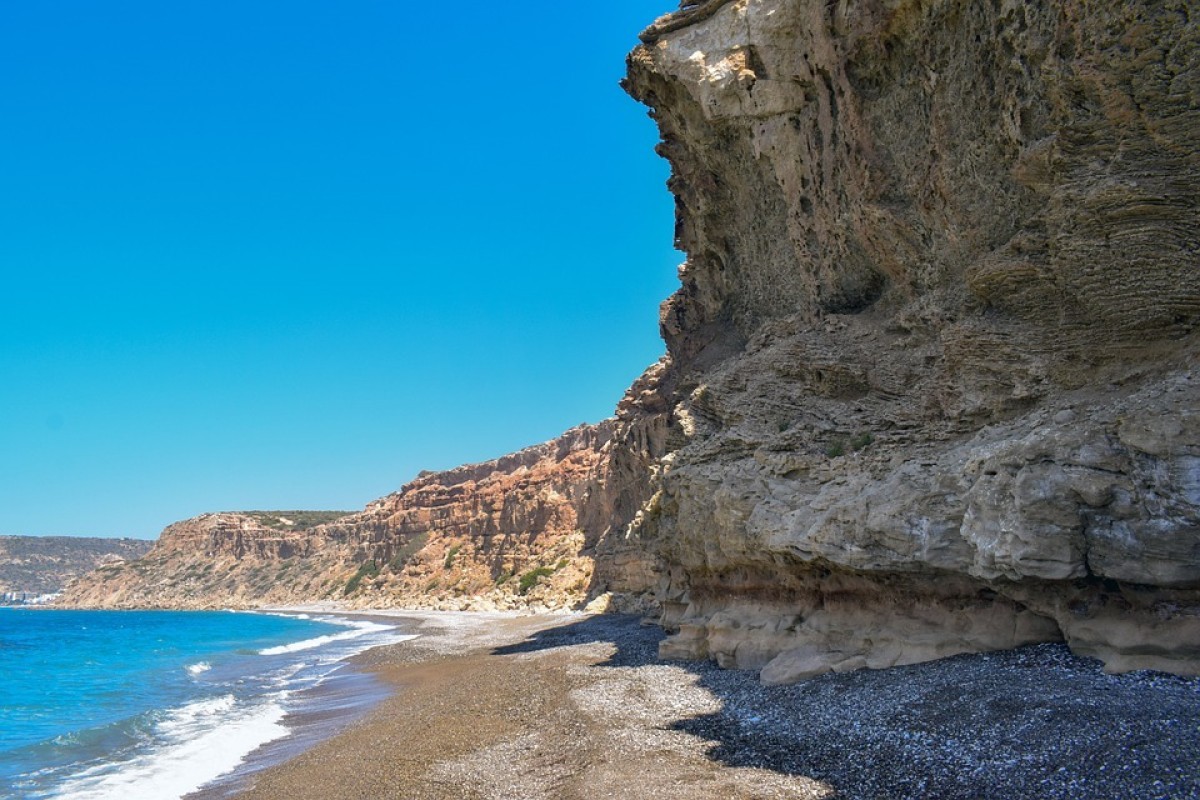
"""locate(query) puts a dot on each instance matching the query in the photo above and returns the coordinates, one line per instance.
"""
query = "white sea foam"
(356, 630)
(201, 741)
(196, 743)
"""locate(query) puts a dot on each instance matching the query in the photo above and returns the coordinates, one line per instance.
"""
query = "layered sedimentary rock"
(934, 344)
(221, 560)
(549, 527)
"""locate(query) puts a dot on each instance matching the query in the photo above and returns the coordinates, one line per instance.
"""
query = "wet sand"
(496, 706)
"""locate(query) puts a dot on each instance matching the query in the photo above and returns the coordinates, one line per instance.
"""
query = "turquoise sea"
(156, 704)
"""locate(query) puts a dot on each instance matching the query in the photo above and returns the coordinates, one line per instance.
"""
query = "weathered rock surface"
(934, 344)
(549, 527)
(220, 560)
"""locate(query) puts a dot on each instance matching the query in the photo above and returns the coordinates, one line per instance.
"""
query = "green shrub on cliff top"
(295, 520)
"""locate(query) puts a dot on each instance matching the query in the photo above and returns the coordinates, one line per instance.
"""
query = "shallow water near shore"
(100, 704)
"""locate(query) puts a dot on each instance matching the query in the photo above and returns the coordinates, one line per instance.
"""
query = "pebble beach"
(505, 706)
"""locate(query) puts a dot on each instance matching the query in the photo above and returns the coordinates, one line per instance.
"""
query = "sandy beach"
(505, 706)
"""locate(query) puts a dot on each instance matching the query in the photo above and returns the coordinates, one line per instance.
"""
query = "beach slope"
(502, 706)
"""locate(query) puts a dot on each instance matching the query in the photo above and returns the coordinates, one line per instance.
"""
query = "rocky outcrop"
(934, 343)
(553, 526)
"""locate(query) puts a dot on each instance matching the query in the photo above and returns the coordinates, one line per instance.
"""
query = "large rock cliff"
(934, 342)
(221, 560)
(929, 385)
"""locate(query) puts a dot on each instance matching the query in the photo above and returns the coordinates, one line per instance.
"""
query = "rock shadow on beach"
(1035, 722)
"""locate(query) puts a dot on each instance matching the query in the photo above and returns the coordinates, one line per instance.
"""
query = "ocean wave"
(168, 753)
(197, 743)
(357, 630)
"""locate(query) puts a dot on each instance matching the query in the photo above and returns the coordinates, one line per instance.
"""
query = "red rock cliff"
(552, 526)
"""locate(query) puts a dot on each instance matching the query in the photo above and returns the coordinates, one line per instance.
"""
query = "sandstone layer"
(549, 527)
(934, 344)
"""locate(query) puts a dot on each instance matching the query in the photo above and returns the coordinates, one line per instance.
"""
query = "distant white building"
(27, 598)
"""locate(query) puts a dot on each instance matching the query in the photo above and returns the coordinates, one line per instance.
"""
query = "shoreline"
(166, 703)
(347, 694)
(578, 706)
(354, 690)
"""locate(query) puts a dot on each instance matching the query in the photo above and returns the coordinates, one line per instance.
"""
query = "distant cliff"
(40, 565)
(218, 560)
(552, 526)
(930, 384)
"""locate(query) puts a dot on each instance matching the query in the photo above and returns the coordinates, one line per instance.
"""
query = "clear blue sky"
(286, 255)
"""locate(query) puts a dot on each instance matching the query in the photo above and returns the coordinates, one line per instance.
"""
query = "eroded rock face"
(551, 527)
(934, 344)
(554, 526)
(216, 561)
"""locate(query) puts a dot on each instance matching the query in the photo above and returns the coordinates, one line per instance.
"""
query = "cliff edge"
(34, 566)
